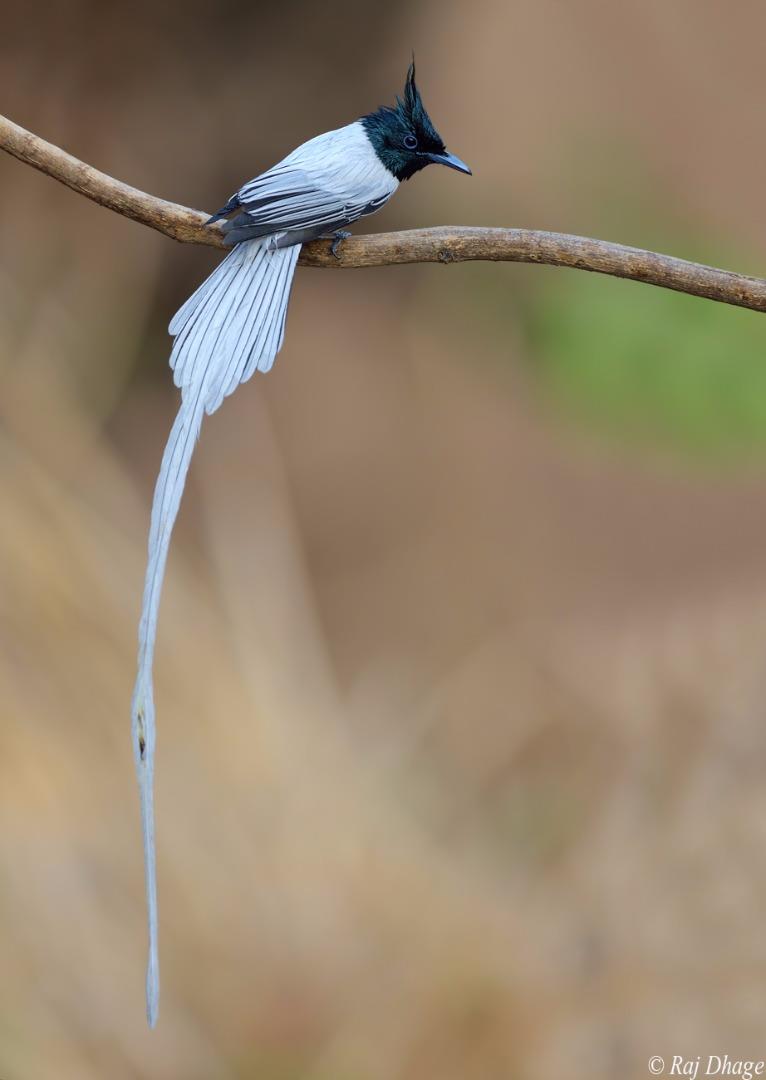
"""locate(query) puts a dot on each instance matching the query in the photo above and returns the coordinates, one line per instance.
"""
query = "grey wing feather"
(289, 200)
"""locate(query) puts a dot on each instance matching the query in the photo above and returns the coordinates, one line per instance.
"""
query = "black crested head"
(404, 137)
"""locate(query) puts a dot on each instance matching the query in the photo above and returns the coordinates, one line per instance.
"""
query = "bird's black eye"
(410, 142)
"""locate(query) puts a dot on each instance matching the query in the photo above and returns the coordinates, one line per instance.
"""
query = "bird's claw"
(337, 239)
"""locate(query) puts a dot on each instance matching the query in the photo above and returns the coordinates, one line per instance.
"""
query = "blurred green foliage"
(650, 365)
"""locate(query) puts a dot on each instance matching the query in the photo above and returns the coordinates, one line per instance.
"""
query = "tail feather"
(188, 308)
(232, 326)
(227, 357)
(195, 344)
(167, 498)
(217, 329)
(257, 340)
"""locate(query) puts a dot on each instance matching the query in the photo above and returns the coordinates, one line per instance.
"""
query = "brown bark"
(446, 244)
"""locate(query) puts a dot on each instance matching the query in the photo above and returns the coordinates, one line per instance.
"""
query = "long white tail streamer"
(231, 327)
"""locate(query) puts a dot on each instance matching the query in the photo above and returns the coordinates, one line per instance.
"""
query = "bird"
(234, 325)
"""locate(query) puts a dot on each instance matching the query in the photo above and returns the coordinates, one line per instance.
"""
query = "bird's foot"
(337, 239)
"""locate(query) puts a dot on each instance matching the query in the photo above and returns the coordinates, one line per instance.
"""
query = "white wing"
(325, 184)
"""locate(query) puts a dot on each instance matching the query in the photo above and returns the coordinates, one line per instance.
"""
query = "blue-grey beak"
(451, 161)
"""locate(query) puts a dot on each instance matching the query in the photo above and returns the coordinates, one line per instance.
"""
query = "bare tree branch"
(446, 244)
(178, 222)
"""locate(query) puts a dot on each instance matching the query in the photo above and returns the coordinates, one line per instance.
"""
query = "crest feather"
(411, 95)
(388, 128)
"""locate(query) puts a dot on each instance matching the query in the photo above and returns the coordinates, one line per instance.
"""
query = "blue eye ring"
(410, 142)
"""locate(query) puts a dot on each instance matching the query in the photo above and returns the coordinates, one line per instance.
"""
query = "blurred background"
(461, 677)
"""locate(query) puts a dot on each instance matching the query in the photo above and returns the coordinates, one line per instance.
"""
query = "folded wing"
(289, 200)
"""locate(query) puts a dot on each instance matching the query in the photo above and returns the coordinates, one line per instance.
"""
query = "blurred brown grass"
(460, 709)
